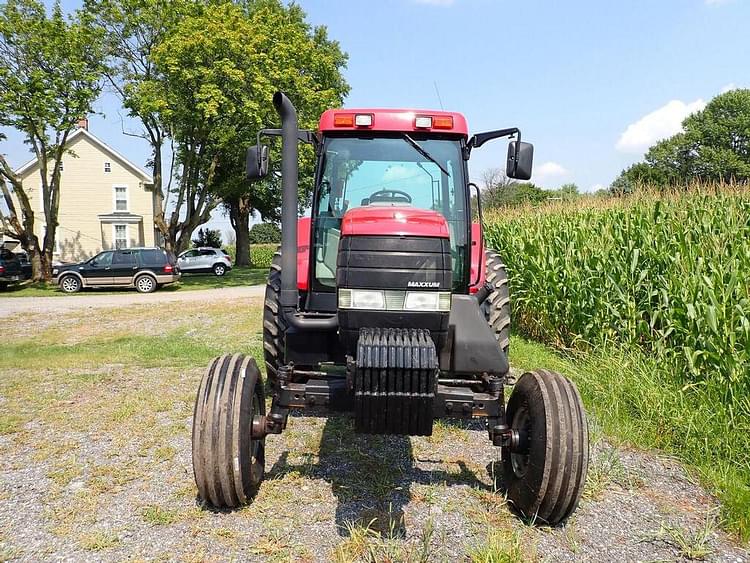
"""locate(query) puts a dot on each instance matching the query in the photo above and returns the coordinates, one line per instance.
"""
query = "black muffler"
(289, 298)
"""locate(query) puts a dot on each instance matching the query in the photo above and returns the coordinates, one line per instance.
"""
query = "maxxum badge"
(423, 284)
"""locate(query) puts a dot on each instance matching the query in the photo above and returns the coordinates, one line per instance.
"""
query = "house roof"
(145, 176)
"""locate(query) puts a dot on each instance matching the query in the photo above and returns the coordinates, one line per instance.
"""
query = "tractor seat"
(389, 200)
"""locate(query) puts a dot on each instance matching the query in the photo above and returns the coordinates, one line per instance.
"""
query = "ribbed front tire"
(545, 473)
(228, 464)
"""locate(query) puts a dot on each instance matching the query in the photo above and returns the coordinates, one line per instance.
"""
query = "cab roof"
(402, 120)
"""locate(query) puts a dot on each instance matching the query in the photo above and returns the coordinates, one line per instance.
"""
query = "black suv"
(143, 268)
(10, 268)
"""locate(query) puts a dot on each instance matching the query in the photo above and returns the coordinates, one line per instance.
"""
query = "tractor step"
(395, 381)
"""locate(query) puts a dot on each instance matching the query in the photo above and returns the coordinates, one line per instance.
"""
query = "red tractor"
(386, 303)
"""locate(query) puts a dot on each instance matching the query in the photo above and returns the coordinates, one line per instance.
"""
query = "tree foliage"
(208, 237)
(50, 75)
(713, 146)
(264, 233)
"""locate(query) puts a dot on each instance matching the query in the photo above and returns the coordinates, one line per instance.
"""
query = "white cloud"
(717, 2)
(657, 125)
(548, 172)
(595, 188)
(435, 2)
(729, 87)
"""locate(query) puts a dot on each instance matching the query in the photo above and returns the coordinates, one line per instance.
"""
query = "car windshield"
(359, 172)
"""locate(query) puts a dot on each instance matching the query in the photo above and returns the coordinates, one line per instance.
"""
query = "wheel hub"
(519, 451)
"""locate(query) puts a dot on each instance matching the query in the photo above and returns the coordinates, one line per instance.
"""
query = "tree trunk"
(239, 216)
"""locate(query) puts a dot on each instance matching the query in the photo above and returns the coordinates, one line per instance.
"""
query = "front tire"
(228, 464)
(496, 307)
(219, 269)
(145, 284)
(70, 284)
(544, 474)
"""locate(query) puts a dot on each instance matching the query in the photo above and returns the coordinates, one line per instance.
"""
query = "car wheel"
(70, 284)
(220, 269)
(145, 284)
(3, 286)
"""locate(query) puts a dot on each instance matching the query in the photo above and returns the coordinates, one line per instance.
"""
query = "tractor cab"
(385, 303)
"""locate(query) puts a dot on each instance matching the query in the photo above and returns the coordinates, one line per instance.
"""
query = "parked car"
(205, 260)
(10, 268)
(25, 265)
(146, 269)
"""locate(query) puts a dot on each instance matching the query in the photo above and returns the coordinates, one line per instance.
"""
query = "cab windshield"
(366, 171)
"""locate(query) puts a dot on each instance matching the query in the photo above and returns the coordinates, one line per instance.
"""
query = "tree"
(134, 29)
(264, 233)
(290, 55)
(50, 75)
(208, 237)
(713, 146)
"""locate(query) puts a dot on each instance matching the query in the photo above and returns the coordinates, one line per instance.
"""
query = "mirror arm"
(303, 135)
(478, 139)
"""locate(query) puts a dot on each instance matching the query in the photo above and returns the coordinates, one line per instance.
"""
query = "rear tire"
(219, 269)
(496, 307)
(3, 286)
(70, 284)
(228, 464)
(545, 474)
(145, 284)
(273, 323)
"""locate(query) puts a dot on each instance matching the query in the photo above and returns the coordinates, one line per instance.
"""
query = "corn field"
(668, 274)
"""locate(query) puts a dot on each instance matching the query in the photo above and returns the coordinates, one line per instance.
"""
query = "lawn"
(95, 422)
(237, 277)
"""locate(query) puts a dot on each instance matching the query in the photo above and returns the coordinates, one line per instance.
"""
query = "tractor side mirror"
(520, 159)
(257, 162)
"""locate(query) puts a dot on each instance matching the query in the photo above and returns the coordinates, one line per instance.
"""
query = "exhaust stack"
(289, 297)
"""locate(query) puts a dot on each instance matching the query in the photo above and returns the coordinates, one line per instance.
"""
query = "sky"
(591, 83)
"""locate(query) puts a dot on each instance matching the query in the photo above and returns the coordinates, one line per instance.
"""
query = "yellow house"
(106, 201)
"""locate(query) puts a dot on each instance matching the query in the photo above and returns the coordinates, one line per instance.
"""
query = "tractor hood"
(398, 220)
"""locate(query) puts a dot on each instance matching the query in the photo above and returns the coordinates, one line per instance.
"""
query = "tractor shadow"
(371, 476)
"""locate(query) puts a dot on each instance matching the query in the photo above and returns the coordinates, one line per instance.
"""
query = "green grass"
(239, 276)
(637, 401)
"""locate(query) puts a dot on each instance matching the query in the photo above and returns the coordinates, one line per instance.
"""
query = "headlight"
(394, 300)
(427, 301)
(361, 299)
(54, 271)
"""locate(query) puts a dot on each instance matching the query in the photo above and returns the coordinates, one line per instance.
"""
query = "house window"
(121, 198)
(107, 167)
(121, 236)
(61, 166)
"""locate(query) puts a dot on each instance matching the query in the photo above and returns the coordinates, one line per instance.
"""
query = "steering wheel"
(390, 196)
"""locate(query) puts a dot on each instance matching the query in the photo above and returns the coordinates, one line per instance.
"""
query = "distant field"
(660, 283)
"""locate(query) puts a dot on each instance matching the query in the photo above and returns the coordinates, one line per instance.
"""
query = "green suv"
(145, 269)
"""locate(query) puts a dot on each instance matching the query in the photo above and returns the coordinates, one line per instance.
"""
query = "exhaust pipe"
(289, 200)
(289, 298)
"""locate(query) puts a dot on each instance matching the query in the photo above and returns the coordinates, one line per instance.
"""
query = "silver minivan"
(204, 260)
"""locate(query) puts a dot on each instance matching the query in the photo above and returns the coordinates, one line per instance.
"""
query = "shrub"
(265, 233)
(262, 254)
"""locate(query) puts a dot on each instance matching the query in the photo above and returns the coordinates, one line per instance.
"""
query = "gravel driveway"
(95, 463)
(12, 306)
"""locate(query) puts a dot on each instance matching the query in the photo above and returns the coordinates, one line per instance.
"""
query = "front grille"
(394, 262)
(396, 265)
